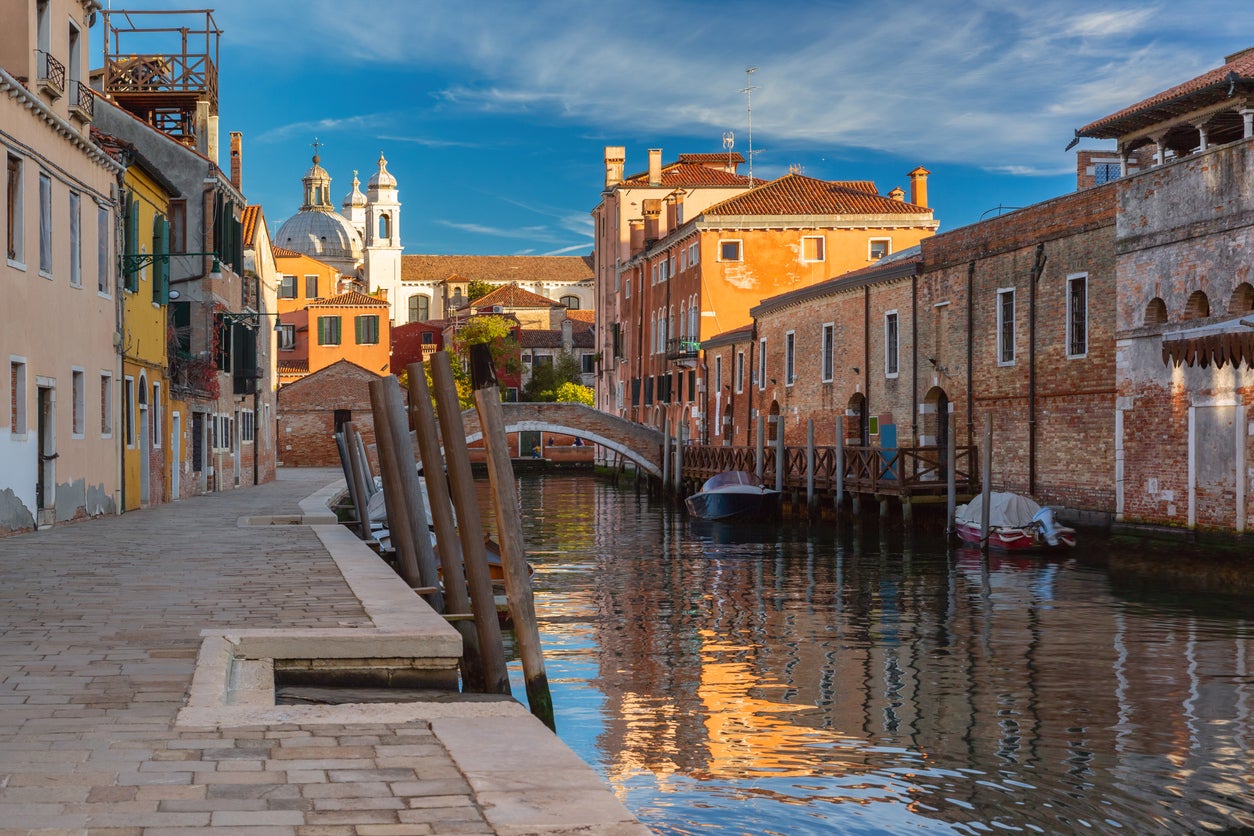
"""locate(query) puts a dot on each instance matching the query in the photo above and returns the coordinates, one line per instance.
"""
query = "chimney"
(897, 194)
(655, 166)
(568, 336)
(918, 186)
(615, 157)
(652, 219)
(636, 226)
(237, 160)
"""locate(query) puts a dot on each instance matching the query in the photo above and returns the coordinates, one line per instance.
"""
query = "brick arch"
(1155, 312)
(1198, 306)
(1242, 299)
(640, 444)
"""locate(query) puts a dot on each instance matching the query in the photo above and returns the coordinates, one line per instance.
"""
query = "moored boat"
(733, 494)
(1016, 523)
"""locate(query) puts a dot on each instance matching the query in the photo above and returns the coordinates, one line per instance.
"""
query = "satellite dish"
(729, 140)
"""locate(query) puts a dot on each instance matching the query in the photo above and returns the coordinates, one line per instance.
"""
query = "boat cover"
(1006, 510)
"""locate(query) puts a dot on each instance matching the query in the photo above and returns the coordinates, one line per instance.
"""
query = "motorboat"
(1016, 523)
(733, 494)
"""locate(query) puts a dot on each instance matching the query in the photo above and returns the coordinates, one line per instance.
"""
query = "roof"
(796, 194)
(724, 158)
(497, 269)
(293, 367)
(352, 299)
(578, 316)
(512, 296)
(249, 222)
(894, 266)
(688, 174)
(1237, 72)
(124, 152)
(552, 338)
(284, 252)
(737, 335)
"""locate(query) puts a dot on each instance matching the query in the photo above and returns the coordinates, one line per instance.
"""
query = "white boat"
(733, 494)
(1016, 523)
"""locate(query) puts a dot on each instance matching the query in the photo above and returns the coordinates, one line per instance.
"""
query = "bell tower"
(383, 237)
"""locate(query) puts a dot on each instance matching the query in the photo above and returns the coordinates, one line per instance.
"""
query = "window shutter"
(161, 264)
(359, 327)
(132, 243)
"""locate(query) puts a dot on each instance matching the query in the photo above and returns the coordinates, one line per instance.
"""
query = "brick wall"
(307, 415)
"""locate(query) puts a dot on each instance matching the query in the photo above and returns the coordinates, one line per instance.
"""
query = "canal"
(795, 680)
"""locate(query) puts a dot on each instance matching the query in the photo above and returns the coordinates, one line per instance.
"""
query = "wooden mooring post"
(951, 482)
(666, 455)
(356, 469)
(840, 461)
(469, 526)
(986, 478)
(456, 598)
(401, 524)
(781, 454)
(760, 457)
(811, 500)
(509, 529)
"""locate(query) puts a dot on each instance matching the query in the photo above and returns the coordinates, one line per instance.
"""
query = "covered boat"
(733, 494)
(1015, 522)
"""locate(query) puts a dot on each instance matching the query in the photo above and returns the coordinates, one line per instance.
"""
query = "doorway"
(46, 475)
(145, 446)
(176, 455)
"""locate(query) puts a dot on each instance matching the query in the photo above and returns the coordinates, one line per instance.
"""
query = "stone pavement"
(104, 625)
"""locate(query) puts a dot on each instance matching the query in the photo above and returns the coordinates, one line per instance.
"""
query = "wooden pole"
(400, 520)
(986, 478)
(509, 530)
(356, 484)
(666, 455)
(457, 601)
(469, 526)
(760, 466)
(951, 480)
(363, 460)
(840, 461)
(679, 459)
(403, 446)
(810, 503)
(781, 454)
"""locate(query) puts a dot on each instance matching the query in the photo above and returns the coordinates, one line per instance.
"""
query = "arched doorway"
(855, 421)
(144, 444)
(936, 426)
(772, 422)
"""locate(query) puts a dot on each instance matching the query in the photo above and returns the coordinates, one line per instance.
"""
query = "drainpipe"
(119, 442)
(257, 335)
(866, 366)
(970, 360)
(914, 358)
(753, 349)
(1038, 267)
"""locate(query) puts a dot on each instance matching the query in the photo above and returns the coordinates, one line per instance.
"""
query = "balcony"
(683, 352)
(83, 105)
(51, 75)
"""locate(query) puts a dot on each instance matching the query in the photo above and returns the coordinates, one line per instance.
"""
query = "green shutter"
(359, 328)
(160, 261)
(132, 243)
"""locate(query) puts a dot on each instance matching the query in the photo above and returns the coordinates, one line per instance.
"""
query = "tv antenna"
(729, 142)
(748, 91)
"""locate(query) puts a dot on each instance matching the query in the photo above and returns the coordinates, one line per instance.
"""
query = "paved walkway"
(100, 630)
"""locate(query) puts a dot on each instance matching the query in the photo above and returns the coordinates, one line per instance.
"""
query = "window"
(17, 389)
(813, 248)
(588, 364)
(829, 352)
(45, 225)
(740, 371)
(367, 329)
(157, 417)
(311, 287)
(762, 365)
(247, 426)
(106, 405)
(13, 209)
(880, 247)
(428, 338)
(627, 289)
(526, 359)
(78, 385)
(1105, 172)
(102, 250)
(790, 358)
(287, 337)
(287, 287)
(328, 330)
(718, 373)
(1006, 327)
(891, 339)
(694, 252)
(571, 302)
(1077, 315)
(128, 410)
(419, 308)
(729, 250)
(178, 226)
(385, 227)
(76, 240)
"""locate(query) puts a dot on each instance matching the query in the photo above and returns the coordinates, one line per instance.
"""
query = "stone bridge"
(640, 444)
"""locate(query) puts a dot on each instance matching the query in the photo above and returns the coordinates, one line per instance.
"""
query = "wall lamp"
(251, 319)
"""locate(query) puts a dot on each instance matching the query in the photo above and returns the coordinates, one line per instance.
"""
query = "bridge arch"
(638, 443)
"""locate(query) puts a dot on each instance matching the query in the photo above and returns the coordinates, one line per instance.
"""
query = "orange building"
(351, 326)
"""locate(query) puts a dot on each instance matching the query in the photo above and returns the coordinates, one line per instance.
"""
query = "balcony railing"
(51, 75)
(84, 104)
(682, 349)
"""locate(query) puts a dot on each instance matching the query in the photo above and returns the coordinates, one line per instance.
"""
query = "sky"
(493, 116)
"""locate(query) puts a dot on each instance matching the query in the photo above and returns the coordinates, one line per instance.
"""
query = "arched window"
(1242, 300)
(670, 323)
(683, 320)
(419, 308)
(571, 302)
(694, 325)
(385, 227)
(1156, 312)
(1198, 306)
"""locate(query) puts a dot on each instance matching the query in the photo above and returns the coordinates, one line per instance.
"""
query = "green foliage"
(477, 289)
(574, 393)
(548, 381)
(498, 333)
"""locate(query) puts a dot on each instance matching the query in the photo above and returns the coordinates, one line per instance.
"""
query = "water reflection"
(749, 680)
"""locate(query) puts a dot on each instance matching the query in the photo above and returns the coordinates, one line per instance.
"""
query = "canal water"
(791, 679)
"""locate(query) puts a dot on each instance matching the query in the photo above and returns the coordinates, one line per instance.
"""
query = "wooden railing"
(902, 471)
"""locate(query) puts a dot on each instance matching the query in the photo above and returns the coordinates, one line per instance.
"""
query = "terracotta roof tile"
(293, 367)
(689, 174)
(352, 299)
(796, 194)
(718, 158)
(496, 268)
(284, 252)
(537, 338)
(512, 296)
(1214, 84)
(249, 223)
(589, 317)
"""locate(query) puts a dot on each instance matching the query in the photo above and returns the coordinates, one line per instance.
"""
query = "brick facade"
(307, 415)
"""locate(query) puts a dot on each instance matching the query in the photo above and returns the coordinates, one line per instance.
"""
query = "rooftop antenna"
(748, 91)
(729, 142)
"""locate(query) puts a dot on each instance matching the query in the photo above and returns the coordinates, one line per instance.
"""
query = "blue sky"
(493, 115)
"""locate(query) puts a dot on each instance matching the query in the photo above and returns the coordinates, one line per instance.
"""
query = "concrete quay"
(137, 664)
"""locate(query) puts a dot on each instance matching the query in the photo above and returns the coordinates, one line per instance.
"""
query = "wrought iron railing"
(51, 74)
(680, 349)
(84, 103)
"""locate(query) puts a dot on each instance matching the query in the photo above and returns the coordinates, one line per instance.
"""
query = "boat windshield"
(731, 477)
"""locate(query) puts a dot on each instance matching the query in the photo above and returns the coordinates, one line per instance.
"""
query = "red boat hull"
(1028, 538)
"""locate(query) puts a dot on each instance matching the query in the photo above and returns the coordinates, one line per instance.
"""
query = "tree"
(498, 332)
(477, 289)
(548, 379)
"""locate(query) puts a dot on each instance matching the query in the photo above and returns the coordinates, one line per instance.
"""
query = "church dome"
(354, 198)
(382, 179)
(322, 234)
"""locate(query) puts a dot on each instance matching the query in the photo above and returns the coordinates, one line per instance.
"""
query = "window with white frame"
(45, 224)
(102, 250)
(762, 364)
(1006, 326)
(287, 287)
(17, 388)
(627, 288)
(311, 286)
(740, 371)
(287, 336)
(106, 405)
(891, 345)
(829, 351)
(694, 320)
(78, 393)
(366, 329)
(158, 415)
(730, 249)
(718, 373)
(813, 248)
(14, 231)
(790, 358)
(328, 330)
(879, 247)
(247, 426)
(694, 252)
(1077, 315)
(128, 410)
(76, 240)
